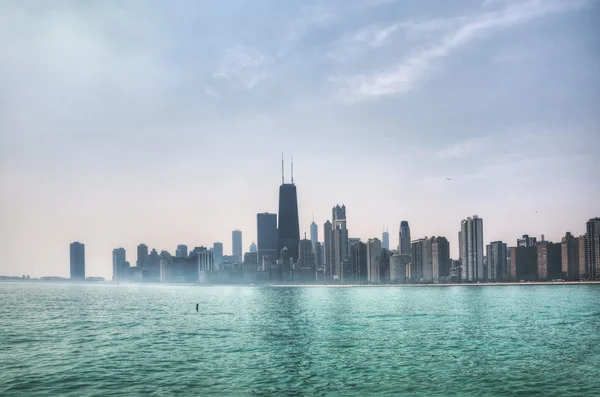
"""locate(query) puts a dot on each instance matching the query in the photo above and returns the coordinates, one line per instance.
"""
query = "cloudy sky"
(124, 122)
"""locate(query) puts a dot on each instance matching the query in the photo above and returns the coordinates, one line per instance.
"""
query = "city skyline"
(167, 129)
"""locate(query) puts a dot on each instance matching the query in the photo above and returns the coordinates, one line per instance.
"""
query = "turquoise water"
(109, 340)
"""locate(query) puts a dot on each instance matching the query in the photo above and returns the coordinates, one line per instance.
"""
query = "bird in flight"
(449, 178)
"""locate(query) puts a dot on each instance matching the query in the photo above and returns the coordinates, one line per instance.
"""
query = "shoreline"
(279, 285)
(442, 285)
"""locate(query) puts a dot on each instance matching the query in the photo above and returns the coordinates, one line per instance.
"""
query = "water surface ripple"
(114, 340)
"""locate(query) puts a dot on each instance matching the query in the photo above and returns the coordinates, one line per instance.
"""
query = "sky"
(128, 122)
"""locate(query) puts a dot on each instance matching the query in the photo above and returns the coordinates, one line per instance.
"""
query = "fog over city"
(163, 123)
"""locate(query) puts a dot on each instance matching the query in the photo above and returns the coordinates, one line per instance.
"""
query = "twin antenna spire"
(283, 172)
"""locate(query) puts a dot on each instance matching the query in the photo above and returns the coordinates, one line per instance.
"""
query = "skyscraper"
(266, 232)
(374, 252)
(289, 227)
(142, 256)
(154, 265)
(314, 234)
(523, 263)
(398, 264)
(582, 258)
(440, 257)
(497, 266)
(592, 248)
(118, 259)
(549, 261)
(305, 255)
(471, 246)
(339, 242)
(217, 254)
(404, 238)
(181, 251)
(318, 255)
(359, 262)
(253, 249)
(385, 240)
(571, 257)
(421, 265)
(236, 245)
(327, 248)
(77, 261)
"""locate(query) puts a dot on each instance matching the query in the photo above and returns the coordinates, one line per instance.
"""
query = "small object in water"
(196, 307)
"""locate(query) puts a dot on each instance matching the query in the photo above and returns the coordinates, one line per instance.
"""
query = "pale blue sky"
(124, 122)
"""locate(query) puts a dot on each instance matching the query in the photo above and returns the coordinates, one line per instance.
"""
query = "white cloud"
(243, 66)
(403, 76)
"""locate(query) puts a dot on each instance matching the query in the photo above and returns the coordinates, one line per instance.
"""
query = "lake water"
(109, 340)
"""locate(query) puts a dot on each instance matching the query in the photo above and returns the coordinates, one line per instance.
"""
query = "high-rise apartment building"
(523, 263)
(440, 258)
(236, 245)
(404, 244)
(592, 248)
(571, 257)
(118, 260)
(77, 261)
(471, 247)
(582, 258)
(421, 265)
(142, 256)
(398, 263)
(549, 265)
(497, 266)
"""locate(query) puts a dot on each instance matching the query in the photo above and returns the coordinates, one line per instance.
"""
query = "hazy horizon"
(146, 122)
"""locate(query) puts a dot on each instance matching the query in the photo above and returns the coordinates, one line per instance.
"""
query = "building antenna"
(292, 170)
(314, 218)
(282, 179)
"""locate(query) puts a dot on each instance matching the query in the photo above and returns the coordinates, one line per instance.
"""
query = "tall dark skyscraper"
(77, 260)
(404, 239)
(592, 248)
(289, 227)
(266, 238)
(236, 245)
